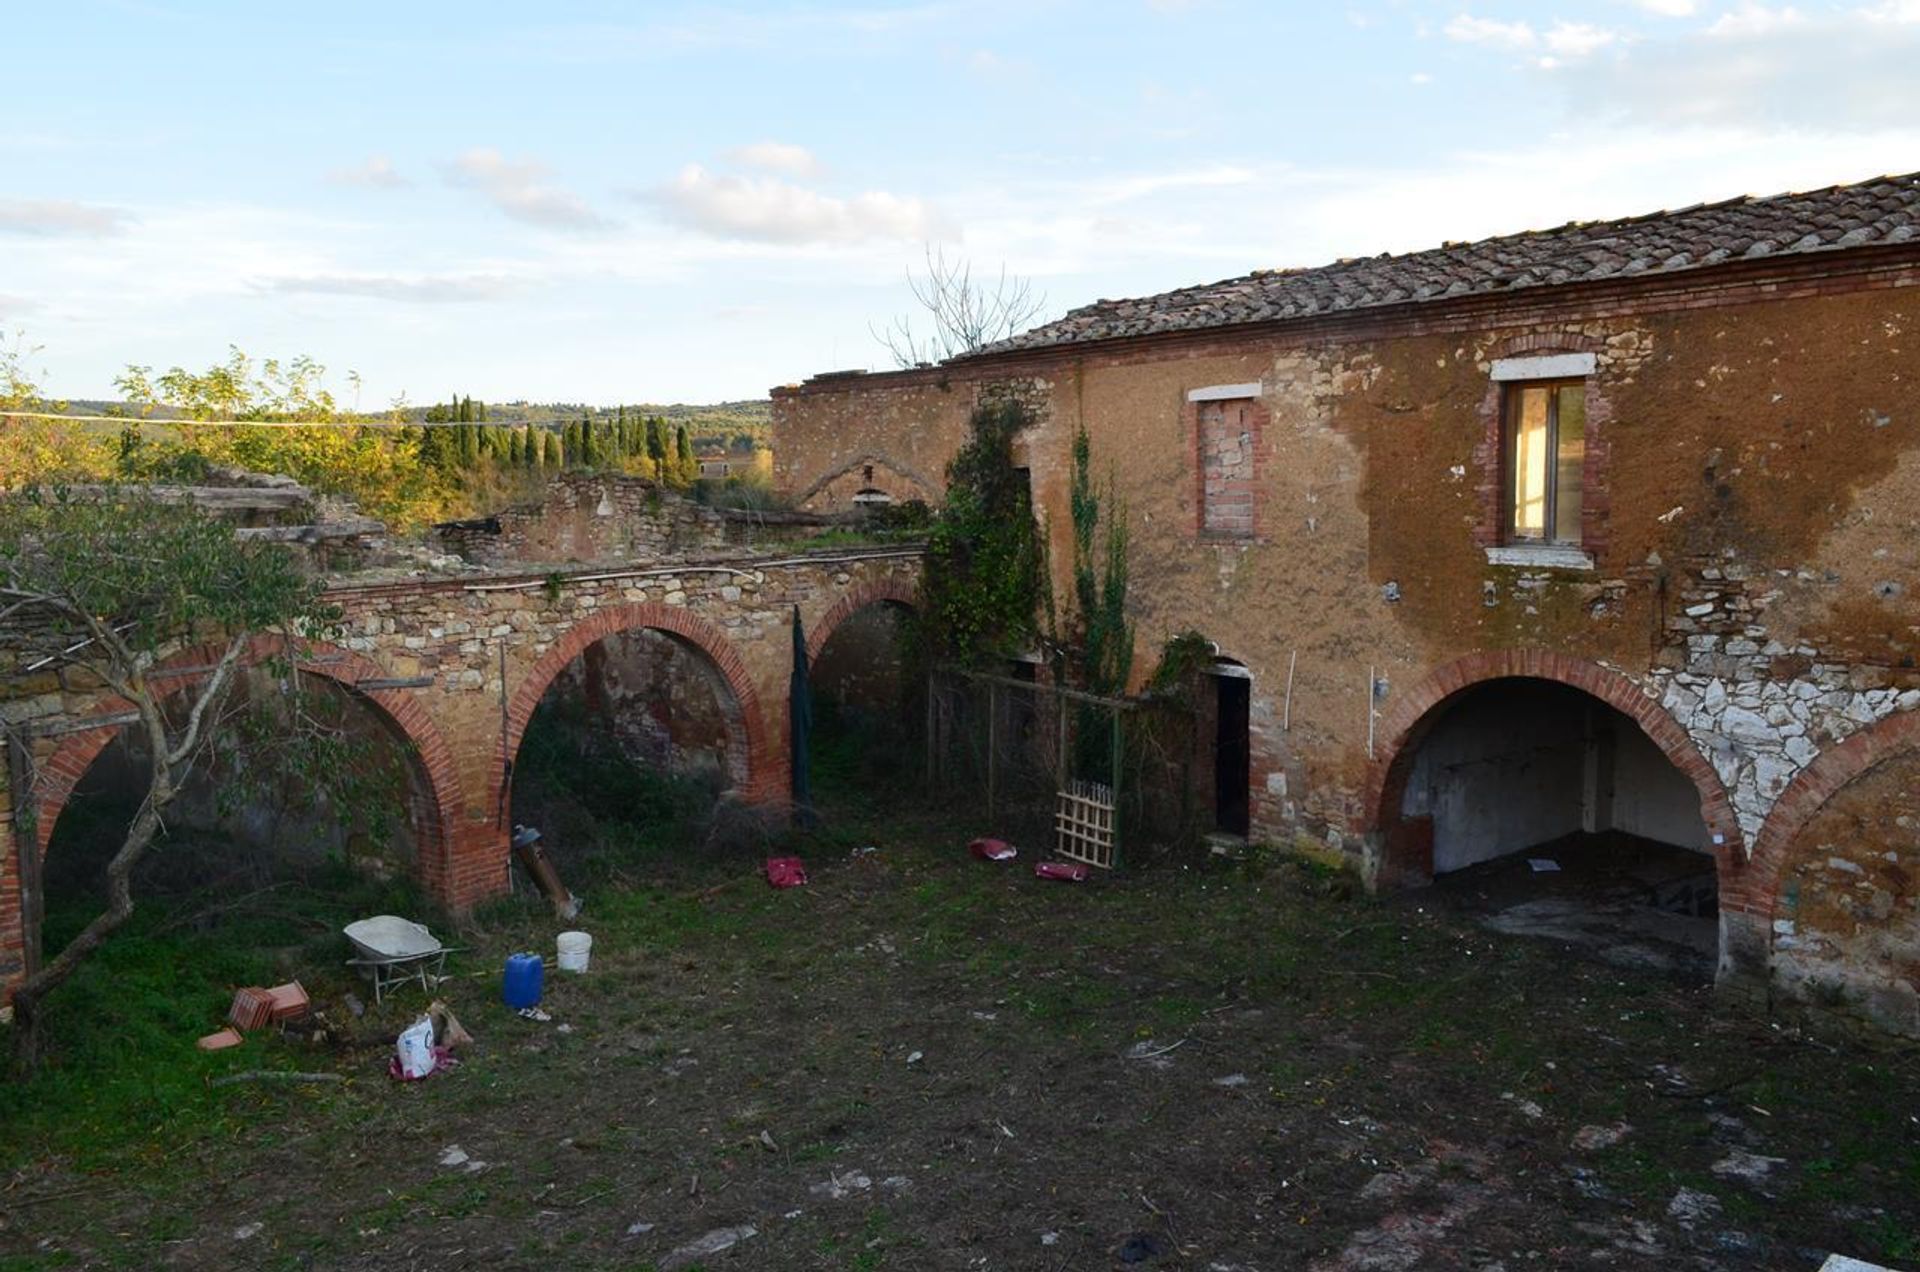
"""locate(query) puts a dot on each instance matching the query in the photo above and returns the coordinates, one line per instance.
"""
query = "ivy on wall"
(984, 590)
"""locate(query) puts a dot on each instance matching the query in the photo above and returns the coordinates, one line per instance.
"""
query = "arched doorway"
(1540, 802)
(252, 813)
(629, 732)
(866, 708)
(1830, 910)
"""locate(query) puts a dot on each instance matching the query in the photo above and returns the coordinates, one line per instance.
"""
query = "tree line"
(457, 439)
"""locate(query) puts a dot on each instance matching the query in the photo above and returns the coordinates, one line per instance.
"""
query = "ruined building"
(1606, 531)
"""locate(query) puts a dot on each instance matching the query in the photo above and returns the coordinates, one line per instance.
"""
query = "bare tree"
(966, 315)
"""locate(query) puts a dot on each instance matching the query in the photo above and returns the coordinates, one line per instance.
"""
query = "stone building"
(1607, 531)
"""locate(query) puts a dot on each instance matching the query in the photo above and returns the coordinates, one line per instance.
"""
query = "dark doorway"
(1231, 751)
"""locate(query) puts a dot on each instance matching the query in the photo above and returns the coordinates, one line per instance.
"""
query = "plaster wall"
(1752, 520)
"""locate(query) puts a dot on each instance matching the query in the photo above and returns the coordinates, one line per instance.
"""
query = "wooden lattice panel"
(1084, 824)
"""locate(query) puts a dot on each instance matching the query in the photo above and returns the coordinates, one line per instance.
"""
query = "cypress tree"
(513, 449)
(589, 451)
(689, 466)
(570, 445)
(657, 445)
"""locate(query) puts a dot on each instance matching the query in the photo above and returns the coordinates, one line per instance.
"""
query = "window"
(1546, 460)
(1226, 422)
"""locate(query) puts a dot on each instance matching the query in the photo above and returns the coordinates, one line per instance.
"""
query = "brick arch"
(1401, 731)
(1758, 890)
(1550, 342)
(871, 457)
(766, 762)
(428, 753)
(886, 591)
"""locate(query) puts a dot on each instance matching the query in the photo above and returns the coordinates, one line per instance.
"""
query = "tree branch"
(216, 684)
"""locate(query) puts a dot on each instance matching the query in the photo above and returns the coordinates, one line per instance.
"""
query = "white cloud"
(1419, 77)
(1894, 12)
(1514, 36)
(1669, 8)
(520, 190)
(60, 218)
(775, 211)
(1757, 66)
(1563, 41)
(777, 156)
(1756, 19)
(1125, 189)
(1578, 39)
(411, 288)
(377, 173)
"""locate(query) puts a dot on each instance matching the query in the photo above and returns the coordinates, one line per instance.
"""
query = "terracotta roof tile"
(1885, 210)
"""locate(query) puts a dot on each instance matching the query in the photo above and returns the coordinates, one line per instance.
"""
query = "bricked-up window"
(1546, 460)
(1226, 467)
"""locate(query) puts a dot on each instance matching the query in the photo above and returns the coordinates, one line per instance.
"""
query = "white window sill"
(1545, 556)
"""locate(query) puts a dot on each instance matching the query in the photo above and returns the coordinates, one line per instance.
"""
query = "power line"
(348, 423)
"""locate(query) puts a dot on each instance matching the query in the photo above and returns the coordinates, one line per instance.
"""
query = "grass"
(1370, 1031)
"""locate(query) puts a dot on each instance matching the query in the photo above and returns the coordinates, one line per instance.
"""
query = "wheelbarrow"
(393, 951)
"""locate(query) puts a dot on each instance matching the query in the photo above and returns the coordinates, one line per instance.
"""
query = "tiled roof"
(1882, 211)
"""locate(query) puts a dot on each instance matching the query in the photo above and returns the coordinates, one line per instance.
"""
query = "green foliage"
(657, 443)
(1103, 634)
(1183, 659)
(689, 466)
(984, 585)
(122, 1073)
(589, 449)
(164, 571)
(402, 475)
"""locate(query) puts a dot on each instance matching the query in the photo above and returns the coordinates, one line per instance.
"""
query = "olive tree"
(104, 585)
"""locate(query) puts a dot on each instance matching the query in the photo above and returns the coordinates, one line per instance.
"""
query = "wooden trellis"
(1084, 824)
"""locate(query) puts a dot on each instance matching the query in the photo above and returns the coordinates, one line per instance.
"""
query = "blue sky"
(659, 202)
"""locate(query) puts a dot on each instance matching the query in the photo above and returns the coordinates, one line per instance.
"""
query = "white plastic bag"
(414, 1047)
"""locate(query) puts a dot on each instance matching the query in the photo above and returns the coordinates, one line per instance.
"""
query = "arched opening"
(1829, 913)
(1554, 813)
(865, 707)
(627, 736)
(305, 789)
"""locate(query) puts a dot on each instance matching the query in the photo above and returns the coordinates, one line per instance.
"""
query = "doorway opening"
(1232, 748)
(1551, 813)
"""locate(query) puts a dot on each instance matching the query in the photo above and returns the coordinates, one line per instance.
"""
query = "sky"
(668, 202)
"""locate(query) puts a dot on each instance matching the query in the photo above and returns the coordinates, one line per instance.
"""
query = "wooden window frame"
(1510, 392)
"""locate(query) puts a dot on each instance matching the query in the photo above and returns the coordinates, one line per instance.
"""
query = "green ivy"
(984, 588)
(1103, 635)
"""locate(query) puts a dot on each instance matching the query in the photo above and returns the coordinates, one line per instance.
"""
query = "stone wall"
(456, 666)
(1846, 928)
(589, 517)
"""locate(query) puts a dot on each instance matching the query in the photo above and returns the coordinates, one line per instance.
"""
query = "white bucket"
(574, 949)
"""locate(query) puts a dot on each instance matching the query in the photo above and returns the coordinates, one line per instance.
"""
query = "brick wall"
(1751, 467)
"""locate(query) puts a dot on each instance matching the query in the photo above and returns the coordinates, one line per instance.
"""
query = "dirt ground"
(920, 1061)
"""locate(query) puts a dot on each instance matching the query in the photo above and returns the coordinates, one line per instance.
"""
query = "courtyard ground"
(920, 1061)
